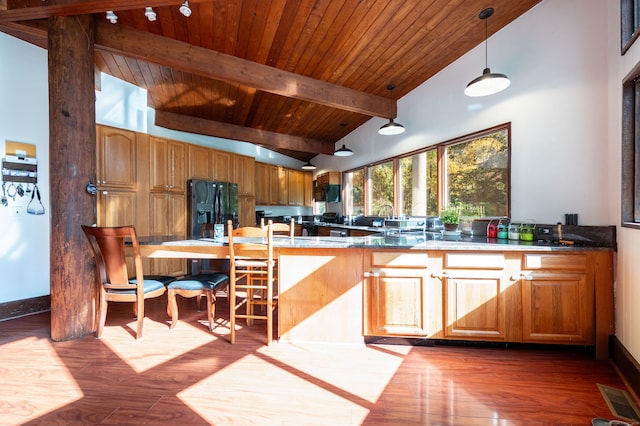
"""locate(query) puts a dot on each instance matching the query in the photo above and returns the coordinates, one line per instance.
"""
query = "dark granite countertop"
(395, 241)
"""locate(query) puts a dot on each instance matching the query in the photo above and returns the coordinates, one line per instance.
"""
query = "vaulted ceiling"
(294, 76)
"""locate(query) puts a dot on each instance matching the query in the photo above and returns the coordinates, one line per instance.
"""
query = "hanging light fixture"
(391, 128)
(343, 152)
(308, 166)
(488, 83)
(111, 16)
(184, 9)
(150, 14)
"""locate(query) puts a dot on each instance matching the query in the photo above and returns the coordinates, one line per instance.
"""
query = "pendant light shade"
(391, 128)
(488, 83)
(308, 166)
(343, 152)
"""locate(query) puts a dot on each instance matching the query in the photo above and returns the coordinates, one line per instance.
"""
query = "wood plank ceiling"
(294, 76)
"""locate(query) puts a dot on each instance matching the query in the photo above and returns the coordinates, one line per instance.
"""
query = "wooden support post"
(72, 163)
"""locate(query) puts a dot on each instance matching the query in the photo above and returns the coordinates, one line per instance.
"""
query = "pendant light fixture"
(391, 128)
(308, 166)
(343, 152)
(488, 83)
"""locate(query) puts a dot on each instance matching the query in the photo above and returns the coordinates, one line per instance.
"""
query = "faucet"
(387, 207)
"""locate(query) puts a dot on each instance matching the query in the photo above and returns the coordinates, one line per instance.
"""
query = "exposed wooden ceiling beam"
(219, 66)
(267, 139)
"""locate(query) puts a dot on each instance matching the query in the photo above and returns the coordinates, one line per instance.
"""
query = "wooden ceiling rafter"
(240, 133)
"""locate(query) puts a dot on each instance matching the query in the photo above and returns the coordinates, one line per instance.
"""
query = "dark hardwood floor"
(189, 376)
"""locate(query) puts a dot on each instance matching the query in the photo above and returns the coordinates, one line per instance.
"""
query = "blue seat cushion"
(164, 279)
(149, 285)
(199, 282)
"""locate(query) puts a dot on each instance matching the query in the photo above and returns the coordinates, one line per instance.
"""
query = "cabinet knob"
(440, 275)
(522, 276)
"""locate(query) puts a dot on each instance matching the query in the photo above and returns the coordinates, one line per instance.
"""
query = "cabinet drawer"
(554, 261)
(399, 260)
(474, 260)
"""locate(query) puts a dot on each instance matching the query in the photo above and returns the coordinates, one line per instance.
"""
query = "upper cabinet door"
(200, 163)
(167, 169)
(116, 162)
(222, 166)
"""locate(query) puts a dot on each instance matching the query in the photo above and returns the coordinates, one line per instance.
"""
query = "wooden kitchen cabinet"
(296, 188)
(246, 210)
(478, 296)
(116, 158)
(244, 175)
(399, 298)
(200, 163)
(167, 165)
(116, 207)
(283, 186)
(307, 189)
(262, 184)
(167, 216)
(222, 166)
(274, 184)
(557, 298)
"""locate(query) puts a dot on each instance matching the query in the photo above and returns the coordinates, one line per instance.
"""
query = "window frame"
(440, 159)
(630, 148)
(629, 25)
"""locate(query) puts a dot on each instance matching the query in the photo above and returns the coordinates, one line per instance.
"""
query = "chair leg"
(172, 307)
(102, 314)
(140, 317)
(211, 307)
(232, 307)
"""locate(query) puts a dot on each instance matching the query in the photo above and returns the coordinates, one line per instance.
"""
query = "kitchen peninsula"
(348, 289)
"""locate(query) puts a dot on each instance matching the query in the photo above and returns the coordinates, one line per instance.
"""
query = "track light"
(184, 9)
(343, 152)
(150, 14)
(308, 166)
(391, 128)
(111, 16)
(488, 83)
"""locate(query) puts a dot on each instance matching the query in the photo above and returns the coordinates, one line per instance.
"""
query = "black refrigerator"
(210, 202)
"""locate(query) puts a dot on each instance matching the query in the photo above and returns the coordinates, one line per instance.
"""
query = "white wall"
(24, 117)
(628, 267)
(556, 104)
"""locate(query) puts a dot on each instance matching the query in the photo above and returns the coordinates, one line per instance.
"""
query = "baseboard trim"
(626, 365)
(19, 308)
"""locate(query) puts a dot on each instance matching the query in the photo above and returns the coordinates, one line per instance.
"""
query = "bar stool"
(251, 270)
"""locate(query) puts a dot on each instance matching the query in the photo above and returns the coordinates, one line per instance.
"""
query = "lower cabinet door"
(474, 305)
(396, 303)
(557, 308)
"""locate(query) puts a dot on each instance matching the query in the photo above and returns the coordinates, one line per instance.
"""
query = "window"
(477, 174)
(354, 193)
(631, 149)
(629, 22)
(471, 172)
(380, 189)
(419, 184)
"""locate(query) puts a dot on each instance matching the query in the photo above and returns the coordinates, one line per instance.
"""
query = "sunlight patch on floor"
(140, 356)
(51, 385)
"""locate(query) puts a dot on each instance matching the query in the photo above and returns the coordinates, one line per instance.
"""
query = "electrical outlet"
(545, 230)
